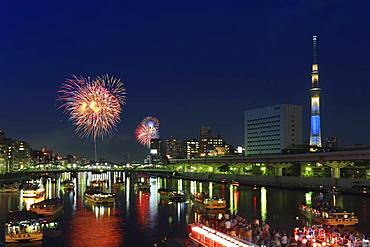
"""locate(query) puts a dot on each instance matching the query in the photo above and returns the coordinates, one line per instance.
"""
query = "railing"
(209, 237)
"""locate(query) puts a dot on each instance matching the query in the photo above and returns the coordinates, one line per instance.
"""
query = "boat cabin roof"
(17, 216)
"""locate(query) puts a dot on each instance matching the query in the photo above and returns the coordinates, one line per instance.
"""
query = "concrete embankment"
(310, 183)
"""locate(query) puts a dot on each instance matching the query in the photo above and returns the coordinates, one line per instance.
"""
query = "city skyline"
(199, 87)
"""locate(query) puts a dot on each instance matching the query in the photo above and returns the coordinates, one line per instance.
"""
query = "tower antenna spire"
(314, 48)
(315, 92)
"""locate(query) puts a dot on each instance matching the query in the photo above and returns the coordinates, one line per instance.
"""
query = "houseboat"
(329, 215)
(99, 184)
(209, 203)
(164, 191)
(32, 190)
(142, 186)
(6, 188)
(177, 196)
(68, 185)
(204, 236)
(49, 207)
(26, 226)
(23, 226)
(98, 197)
(119, 184)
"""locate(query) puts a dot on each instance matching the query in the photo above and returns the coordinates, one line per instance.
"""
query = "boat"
(142, 186)
(209, 203)
(235, 183)
(119, 180)
(119, 184)
(49, 207)
(359, 188)
(326, 236)
(9, 188)
(177, 196)
(164, 191)
(23, 226)
(328, 189)
(27, 226)
(98, 183)
(32, 190)
(325, 214)
(201, 235)
(99, 197)
(68, 185)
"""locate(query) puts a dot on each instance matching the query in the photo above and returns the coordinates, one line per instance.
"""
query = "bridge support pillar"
(278, 168)
(336, 166)
(335, 172)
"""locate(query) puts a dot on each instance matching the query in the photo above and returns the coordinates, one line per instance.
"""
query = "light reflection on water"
(141, 218)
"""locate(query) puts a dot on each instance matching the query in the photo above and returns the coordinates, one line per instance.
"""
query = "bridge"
(307, 165)
(90, 167)
(54, 168)
(359, 159)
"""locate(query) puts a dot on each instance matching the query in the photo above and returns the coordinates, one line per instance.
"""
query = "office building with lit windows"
(172, 148)
(191, 148)
(156, 150)
(210, 145)
(18, 155)
(271, 129)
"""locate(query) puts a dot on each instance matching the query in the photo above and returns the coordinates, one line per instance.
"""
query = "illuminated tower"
(315, 133)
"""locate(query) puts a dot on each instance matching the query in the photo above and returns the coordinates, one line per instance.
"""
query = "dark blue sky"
(189, 63)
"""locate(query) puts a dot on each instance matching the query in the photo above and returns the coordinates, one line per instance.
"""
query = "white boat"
(49, 207)
(32, 190)
(99, 197)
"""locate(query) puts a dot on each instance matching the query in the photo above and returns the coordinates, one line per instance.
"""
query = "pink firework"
(147, 130)
(93, 105)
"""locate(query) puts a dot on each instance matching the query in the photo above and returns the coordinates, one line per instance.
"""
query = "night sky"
(189, 63)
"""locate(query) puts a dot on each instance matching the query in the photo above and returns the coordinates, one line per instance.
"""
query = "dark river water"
(143, 218)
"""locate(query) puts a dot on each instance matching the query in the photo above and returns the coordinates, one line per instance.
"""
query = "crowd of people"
(254, 231)
(325, 236)
(260, 233)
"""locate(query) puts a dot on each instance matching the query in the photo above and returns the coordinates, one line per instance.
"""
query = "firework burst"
(147, 130)
(93, 105)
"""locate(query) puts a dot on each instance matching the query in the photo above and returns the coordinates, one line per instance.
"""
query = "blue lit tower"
(315, 134)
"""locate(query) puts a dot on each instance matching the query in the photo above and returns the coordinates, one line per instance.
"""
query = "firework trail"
(147, 130)
(93, 105)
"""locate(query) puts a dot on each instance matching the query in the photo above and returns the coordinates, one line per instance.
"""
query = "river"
(142, 218)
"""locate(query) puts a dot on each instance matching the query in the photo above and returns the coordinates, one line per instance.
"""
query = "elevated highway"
(334, 160)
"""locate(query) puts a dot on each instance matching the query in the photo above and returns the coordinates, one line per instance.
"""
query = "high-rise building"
(2, 137)
(191, 148)
(156, 151)
(172, 148)
(18, 155)
(315, 91)
(212, 146)
(271, 129)
(3, 156)
(3, 159)
(43, 156)
(205, 132)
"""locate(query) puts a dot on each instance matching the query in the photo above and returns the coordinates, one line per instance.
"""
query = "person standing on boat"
(284, 240)
(266, 228)
(227, 226)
